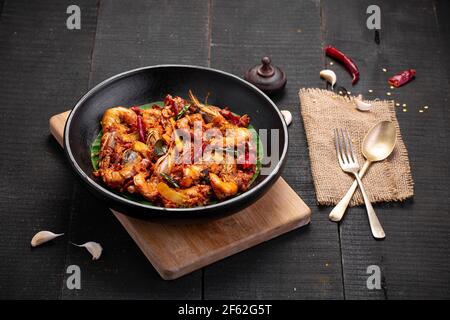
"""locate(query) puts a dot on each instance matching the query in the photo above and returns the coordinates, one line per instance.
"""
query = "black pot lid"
(266, 76)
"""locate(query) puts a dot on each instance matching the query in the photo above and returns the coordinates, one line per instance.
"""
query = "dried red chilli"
(227, 114)
(247, 160)
(128, 183)
(137, 110)
(402, 78)
(243, 121)
(334, 53)
(140, 123)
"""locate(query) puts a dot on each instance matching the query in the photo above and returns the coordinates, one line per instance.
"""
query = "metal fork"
(349, 163)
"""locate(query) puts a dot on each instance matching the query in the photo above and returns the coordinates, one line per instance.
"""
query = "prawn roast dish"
(177, 153)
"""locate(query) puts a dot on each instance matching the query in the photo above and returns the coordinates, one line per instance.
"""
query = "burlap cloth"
(322, 111)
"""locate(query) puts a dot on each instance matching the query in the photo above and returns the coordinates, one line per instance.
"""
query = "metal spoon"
(378, 144)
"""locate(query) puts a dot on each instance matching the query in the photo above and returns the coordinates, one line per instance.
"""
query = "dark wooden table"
(45, 68)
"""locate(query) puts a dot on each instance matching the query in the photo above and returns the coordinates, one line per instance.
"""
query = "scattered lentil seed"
(331, 63)
(404, 110)
(392, 87)
(340, 92)
(420, 111)
(384, 70)
(370, 90)
(388, 93)
(426, 107)
(397, 104)
(349, 92)
(404, 105)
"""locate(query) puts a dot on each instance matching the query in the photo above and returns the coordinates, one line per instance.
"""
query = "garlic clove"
(94, 248)
(329, 76)
(43, 236)
(361, 105)
(287, 116)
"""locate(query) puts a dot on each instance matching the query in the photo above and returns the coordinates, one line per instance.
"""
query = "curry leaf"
(169, 180)
(182, 112)
(160, 148)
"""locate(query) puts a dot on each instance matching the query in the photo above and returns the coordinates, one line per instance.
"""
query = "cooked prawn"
(140, 152)
(147, 188)
(118, 118)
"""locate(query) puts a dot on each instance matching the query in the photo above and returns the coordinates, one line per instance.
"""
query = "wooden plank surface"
(442, 11)
(43, 68)
(47, 69)
(305, 263)
(180, 247)
(2, 2)
(415, 256)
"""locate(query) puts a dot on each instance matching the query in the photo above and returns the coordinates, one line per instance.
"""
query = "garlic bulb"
(361, 105)
(43, 236)
(94, 248)
(329, 76)
(287, 116)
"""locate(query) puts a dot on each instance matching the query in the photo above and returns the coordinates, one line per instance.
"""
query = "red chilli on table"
(351, 66)
(140, 123)
(402, 78)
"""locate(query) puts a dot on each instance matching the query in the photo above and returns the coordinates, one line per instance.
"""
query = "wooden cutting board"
(177, 247)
